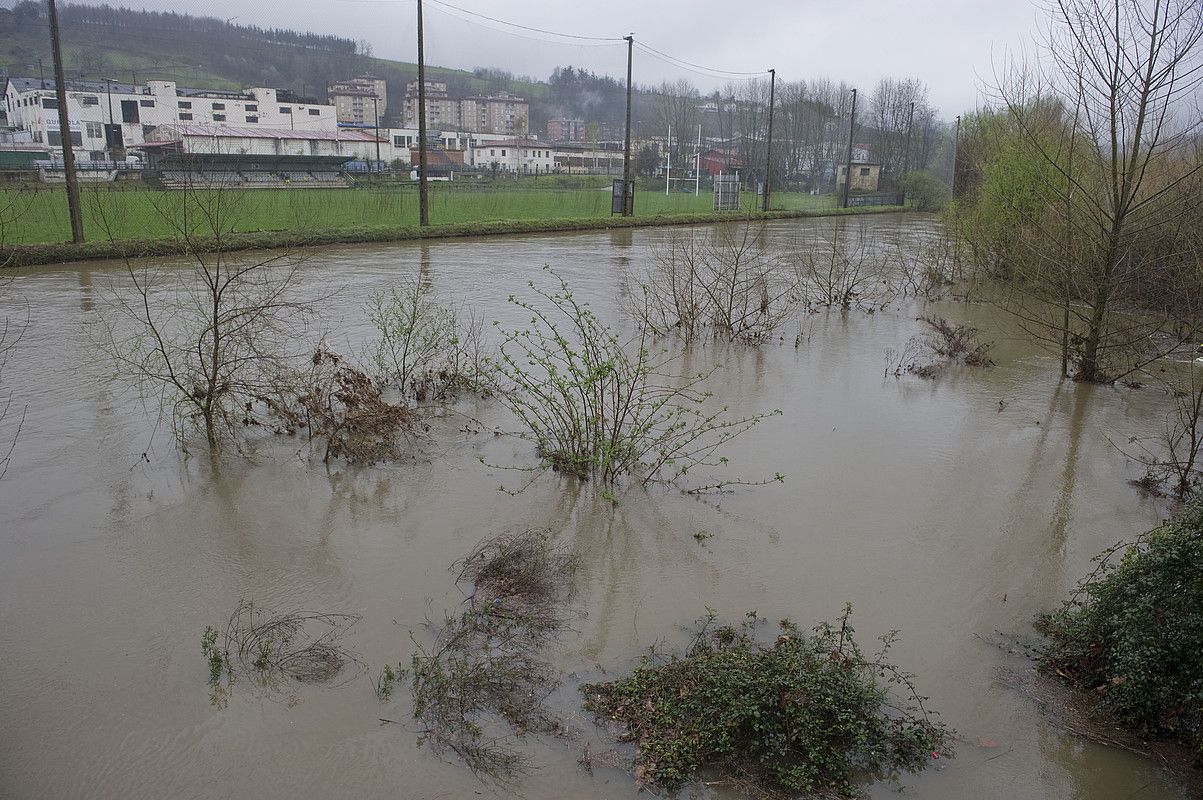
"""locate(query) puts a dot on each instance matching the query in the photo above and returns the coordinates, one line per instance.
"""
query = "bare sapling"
(1173, 459)
(426, 349)
(725, 283)
(843, 270)
(595, 407)
(209, 338)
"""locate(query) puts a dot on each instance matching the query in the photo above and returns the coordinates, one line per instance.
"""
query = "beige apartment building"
(357, 100)
(502, 113)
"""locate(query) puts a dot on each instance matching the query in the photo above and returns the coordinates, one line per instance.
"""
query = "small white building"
(517, 156)
(403, 140)
(107, 115)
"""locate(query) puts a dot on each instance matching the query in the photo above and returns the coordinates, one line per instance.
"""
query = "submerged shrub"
(597, 407)
(809, 713)
(1132, 634)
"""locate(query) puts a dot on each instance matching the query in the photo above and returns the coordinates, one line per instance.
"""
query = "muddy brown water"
(921, 502)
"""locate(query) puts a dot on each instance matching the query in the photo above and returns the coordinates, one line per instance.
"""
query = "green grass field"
(38, 216)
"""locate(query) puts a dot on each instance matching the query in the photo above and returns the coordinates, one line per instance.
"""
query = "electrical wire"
(602, 43)
(699, 70)
(527, 27)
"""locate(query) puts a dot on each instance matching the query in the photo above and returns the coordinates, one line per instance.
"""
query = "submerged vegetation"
(487, 664)
(272, 648)
(1132, 634)
(598, 408)
(810, 712)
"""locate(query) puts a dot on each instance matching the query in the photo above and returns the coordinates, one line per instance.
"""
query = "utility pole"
(768, 158)
(423, 197)
(64, 129)
(628, 195)
(376, 114)
(848, 166)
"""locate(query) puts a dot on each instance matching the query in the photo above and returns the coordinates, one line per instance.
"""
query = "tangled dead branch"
(302, 646)
(343, 407)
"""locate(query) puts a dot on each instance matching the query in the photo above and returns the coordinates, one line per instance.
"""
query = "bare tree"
(1175, 456)
(726, 283)
(11, 419)
(1111, 130)
(209, 339)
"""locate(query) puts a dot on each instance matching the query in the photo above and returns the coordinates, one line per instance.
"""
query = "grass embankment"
(141, 220)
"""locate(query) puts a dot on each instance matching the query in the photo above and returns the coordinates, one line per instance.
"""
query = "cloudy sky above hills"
(951, 45)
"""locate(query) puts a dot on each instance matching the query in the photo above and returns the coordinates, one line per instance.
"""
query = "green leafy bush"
(810, 713)
(1133, 632)
(926, 191)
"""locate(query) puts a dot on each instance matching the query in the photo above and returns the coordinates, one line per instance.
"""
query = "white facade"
(403, 140)
(33, 107)
(244, 140)
(518, 156)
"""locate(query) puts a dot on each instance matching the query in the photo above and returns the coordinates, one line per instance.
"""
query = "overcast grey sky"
(948, 44)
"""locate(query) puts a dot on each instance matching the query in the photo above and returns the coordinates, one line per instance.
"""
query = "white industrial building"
(107, 115)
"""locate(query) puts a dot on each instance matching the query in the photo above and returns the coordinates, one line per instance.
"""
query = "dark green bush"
(926, 191)
(808, 713)
(1132, 634)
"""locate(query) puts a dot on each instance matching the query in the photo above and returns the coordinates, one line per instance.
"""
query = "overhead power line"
(507, 23)
(703, 70)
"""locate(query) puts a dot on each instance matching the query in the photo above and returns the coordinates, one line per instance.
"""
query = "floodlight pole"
(848, 166)
(64, 129)
(697, 165)
(668, 160)
(423, 197)
(628, 196)
(768, 158)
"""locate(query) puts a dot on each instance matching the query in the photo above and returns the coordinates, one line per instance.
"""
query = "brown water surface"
(919, 501)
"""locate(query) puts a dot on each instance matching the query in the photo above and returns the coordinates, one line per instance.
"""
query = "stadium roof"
(248, 132)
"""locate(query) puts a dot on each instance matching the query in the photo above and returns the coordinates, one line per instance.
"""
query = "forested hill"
(106, 41)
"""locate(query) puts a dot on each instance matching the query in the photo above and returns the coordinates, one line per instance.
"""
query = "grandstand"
(170, 168)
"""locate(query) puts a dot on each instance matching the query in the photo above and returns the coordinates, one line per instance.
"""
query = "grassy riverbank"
(143, 223)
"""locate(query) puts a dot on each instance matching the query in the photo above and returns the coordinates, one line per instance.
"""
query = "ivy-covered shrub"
(808, 713)
(1132, 634)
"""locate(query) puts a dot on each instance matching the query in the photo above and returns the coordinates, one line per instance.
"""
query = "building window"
(492, 152)
(285, 110)
(90, 100)
(503, 152)
(864, 171)
(252, 119)
(50, 102)
(252, 106)
(313, 112)
(185, 116)
(147, 130)
(55, 138)
(94, 130)
(147, 103)
(185, 104)
(129, 111)
(219, 106)
(219, 117)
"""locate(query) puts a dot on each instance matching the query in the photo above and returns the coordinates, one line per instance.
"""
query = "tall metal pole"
(64, 129)
(906, 156)
(697, 164)
(668, 160)
(108, 132)
(628, 196)
(848, 166)
(376, 113)
(768, 158)
(423, 197)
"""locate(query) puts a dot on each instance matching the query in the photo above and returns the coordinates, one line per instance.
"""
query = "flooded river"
(931, 506)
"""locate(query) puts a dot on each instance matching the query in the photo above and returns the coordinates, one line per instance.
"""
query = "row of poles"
(628, 204)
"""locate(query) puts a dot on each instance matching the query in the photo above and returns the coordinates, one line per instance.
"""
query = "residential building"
(441, 110)
(502, 113)
(566, 130)
(865, 176)
(405, 140)
(358, 100)
(526, 156)
(107, 116)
